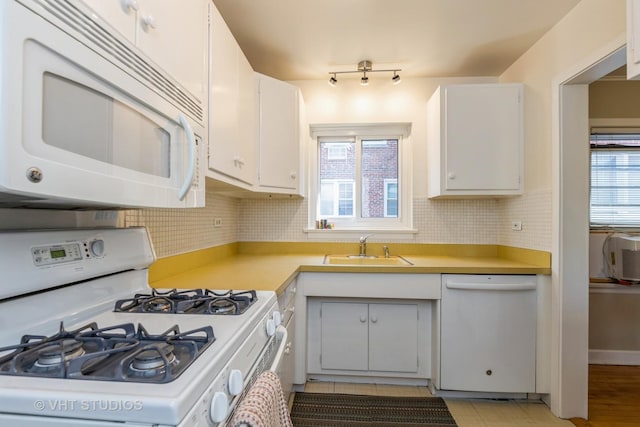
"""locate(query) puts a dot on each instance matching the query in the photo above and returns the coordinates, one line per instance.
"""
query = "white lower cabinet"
(368, 338)
(488, 333)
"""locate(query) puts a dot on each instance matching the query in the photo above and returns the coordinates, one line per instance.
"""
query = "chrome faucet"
(363, 244)
(385, 249)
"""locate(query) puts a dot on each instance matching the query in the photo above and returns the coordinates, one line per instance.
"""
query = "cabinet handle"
(470, 286)
(489, 372)
(293, 175)
(363, 319)
(452, 175)
(149, 21)
(374, 320)
(131, 4)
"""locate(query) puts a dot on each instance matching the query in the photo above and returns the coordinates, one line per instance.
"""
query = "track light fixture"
(365, 67)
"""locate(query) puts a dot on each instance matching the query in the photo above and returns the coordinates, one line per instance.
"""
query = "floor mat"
(351, 410)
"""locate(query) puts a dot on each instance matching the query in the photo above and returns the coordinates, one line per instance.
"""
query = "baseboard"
(614, 357)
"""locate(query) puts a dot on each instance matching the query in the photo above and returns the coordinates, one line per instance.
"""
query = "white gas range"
(84, 341)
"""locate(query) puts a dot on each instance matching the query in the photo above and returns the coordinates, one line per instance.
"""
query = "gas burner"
(158, 305)
(115, 353)
(57, 353)
(153, 361)
(195, 301)
(222, 306)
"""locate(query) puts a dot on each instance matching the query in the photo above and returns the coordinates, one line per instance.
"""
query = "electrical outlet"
(217, 222)
(516, 225)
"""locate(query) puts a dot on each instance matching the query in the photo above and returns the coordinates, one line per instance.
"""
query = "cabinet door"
(224, 97)
(279, 142)
(482, 137)
(116, 12)
(247, 126)
(633, 39)
(344, 336)
(393, 337)
(173, 33)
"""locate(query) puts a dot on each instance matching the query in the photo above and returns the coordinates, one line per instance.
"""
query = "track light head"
(364, 80)
(396, 78)
(333, 81)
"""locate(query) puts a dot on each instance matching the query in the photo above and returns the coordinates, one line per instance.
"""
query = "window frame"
(401, 226)
(611, 126)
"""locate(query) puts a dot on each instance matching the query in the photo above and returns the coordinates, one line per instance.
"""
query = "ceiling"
(307, 39)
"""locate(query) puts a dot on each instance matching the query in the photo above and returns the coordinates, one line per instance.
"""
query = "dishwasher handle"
(475, 286)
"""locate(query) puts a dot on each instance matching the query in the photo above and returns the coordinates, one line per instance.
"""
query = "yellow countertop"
(251, 266)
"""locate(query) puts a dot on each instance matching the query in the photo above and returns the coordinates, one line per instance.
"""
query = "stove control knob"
(277, 318)
(235, 383)
(219, 407)
(97, 248)
(271, 327)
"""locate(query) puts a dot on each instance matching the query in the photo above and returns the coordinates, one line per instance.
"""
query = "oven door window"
(83, 121)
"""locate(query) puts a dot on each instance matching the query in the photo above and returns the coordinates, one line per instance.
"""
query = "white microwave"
(86, 120)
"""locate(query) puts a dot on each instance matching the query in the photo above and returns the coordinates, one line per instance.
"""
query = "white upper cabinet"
(172, 33)
(280, 128)
(475, 140)
(232, 108)
(633, 39)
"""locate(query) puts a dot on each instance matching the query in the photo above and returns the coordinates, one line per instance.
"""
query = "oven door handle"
(283, 336)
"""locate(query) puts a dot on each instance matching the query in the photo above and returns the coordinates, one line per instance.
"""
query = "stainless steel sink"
(366, 260)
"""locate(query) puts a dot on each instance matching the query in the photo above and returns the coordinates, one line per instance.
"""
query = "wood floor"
(614, 397)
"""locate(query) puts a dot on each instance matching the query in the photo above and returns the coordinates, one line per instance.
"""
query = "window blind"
(615, 179)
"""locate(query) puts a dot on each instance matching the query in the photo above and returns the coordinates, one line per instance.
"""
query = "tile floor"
(467, 413)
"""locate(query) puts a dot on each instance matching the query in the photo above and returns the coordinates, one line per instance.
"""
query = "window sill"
(351, 234)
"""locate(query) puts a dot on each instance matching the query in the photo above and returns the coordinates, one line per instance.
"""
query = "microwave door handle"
(186, 185)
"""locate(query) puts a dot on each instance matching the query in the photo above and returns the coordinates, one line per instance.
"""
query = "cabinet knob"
(363, 319)
(374, 320)
(452, 175)
(130, 4)
(293, 175)
(489, 372)
(149, 21)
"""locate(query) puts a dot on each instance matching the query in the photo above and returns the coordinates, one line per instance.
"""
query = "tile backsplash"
(479, 221)
(176, 231)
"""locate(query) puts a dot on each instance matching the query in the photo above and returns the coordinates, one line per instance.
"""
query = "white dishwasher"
(488, 333)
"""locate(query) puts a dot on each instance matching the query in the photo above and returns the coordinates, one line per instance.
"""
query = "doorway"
(570, 230)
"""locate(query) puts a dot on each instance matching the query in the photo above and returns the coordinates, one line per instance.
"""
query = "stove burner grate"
(115, 353)
(195, 301)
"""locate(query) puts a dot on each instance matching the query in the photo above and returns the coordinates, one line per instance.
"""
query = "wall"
(176, 231)
(588, 32)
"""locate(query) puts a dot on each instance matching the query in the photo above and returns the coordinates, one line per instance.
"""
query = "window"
(337, 151)
(615, 178)
(390, 197)
(359, 178)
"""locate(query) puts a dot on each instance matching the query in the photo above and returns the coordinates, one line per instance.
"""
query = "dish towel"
(264, 404)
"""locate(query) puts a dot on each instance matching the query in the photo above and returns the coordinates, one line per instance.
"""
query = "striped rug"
(350, 410)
